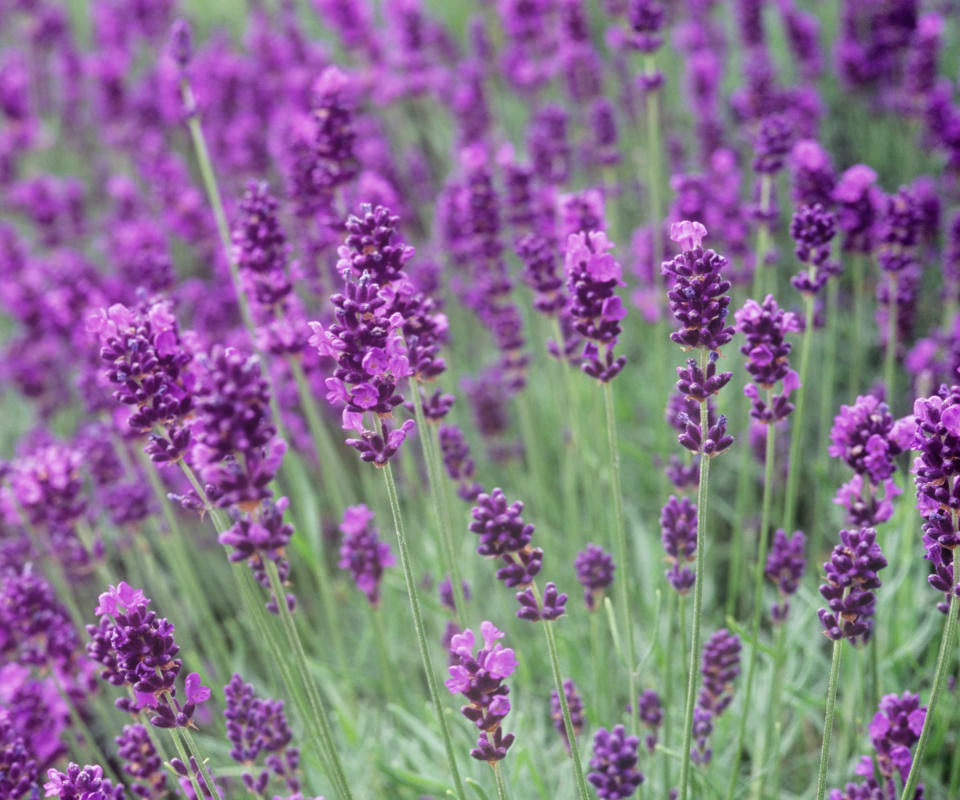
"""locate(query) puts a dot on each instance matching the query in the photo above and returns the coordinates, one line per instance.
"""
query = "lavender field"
(479, 399)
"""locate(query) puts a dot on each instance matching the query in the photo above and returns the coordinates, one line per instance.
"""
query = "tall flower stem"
(418, 626)
(828, 720)
(201, 762)
(185, 759)
(571, 487)
(763, 237)
(697, 598)
(653, 159)
(83, 732)
(501, 786)
(438, 496)
(890, 353)
(859, 310)
(758, 583)
(948, 643)
(793, 471)
(620, 533)
(564, 706)
(383, 653)
(759, 779)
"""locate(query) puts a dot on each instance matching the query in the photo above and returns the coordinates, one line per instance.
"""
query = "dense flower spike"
(592, 276)
(858, 202)
(141, 761)
(34, 627)
(551, 608)
(362, 553)
(720, 665)
(82, 783)
(764, 326)
(594, 568)
(678, 531)
(458, 462)
(697, 295)
(650, 711)
(813, 229)
(136, 649)
(851, 577)
(575, 706)
(613, 768)
(868, 439)
(785, 566)
(258, 727)
(479, 678)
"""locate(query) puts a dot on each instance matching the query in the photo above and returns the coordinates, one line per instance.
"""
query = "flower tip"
(688, 234)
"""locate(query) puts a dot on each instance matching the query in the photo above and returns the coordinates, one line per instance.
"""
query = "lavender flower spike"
(785, 566)
(574, 704)
(594, 568)
(851, 575)
(613, 768)
(362, 552)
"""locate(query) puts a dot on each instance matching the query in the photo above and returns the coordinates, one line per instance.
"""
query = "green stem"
(689, 701)
(890, 354)
(564, 706)
(773, 719)
(201, 762)
(438, 496)
(653, 160)
(501, 786)
(763, 239)
(383, 652)
(793, 471)
(621, 542)
(859, 307)
(828, 720)
(81, 727)
(419, 629)
(571, 488)
(182, 753)
(948, 642)
(758, 579)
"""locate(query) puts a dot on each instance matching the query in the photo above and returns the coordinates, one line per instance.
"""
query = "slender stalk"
(859, 333)
(793, 471)
(621, 541)
(185, 759)
(201, 762)
(383, 652)
(828, 720)
(501, 786)
(758, 581)
(90, 743)
(438, 496)
(419, 629)
(890, 353)
(564, 706)
(773, 716)
(948, 643)
(697, 600)
(763, 238)
(653, 159)
(571, 488)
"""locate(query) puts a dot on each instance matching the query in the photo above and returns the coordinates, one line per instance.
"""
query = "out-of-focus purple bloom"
(678, 532)
(650, 711)
(140, 759)
(549, 146)
(541, 273)
(764, 327)
(594, 568)
(613, 768)
(82, 783)
(34, 627)
(812, 229)
(362, 552)
(720, 665)
(574, 705)
(813, 177)
(458, 462)
(772, 143)
(785, 566)
(859, 202)
(851, 575)
(446, 593)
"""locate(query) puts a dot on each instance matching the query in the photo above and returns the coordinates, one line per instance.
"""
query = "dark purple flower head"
(574, 705)
(851, 577)
(896, 728)
(899, 231)
(551, 608)
(593, 274)
(812, 174)
(362, 552)
(373, 246)
(458, 462)
(581, 212)
(446, 593)
(697, 297)
(500, 526)
(785, 565)
(181, 43)
(140, 760)
(479, 678)
(334, 160)
(19, 771)
(812, 229)
(646, 19)
(764, 327)
(541, 273)
(772, 143)
(86, 783)
(34, 627)
(678, 532)
(720, 665)
(613, 768)
(549, 146)
(650, 711)
(859, 205)
(594, 568)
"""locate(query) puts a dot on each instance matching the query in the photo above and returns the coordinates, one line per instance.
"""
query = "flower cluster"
(851, 577)
(458, 462)
(650, 711)
(813, 229)
(592, 276)
(678, 532)
(764, 326)
(574, 705)
(255, 727)
(136, 649)
(594, 568)
(866, 436)
(362, 553)
(141, 761)
(34, 627)
(82, 783)
(479, 678)
(785, 565)
(720, 665)
(613, 768)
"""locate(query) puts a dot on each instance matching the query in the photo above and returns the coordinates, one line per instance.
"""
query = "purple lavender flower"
(813, 229)
(541, 273)
(334, 159)
(859, 203)
(594, 568)
(86, 783)
(592, 276)
(720, 665)
(650, 711)
(613, 768)
(697, 296)
(678, 526)
(764, 327)
(19, 773)
(458, 462)
(446, 593)
(136, 649)
(899, 230)
(868, 439)
(255, 727)
(34, 627)
(574, 705)
(141, 761)
(551, 608)
(362, 552)
(500, 526)
(479, 678)
(851, 575)
(548, 145)
(785, 566)
(812, 174)
(772, 143)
